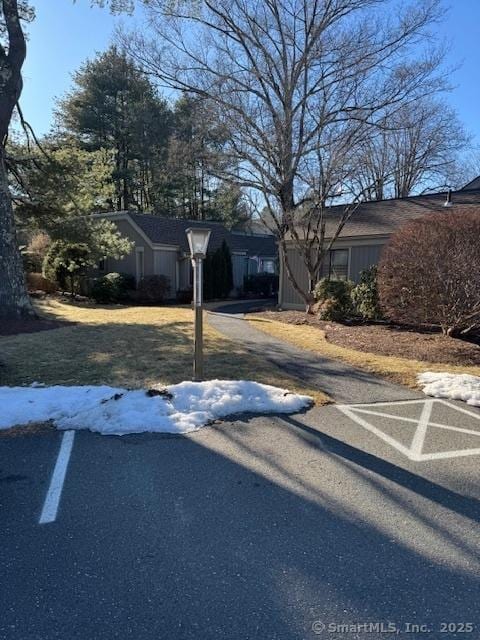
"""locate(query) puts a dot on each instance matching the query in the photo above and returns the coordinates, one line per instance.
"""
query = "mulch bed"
(14, 327)
(388, 340)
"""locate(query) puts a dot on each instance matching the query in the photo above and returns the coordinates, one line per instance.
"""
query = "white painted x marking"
(360, 413)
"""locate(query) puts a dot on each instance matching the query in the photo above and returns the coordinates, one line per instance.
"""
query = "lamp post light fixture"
(198, 238)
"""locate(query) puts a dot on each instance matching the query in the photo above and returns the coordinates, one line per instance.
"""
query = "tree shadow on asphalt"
(179, 539)
(463, 505)
(337, 379)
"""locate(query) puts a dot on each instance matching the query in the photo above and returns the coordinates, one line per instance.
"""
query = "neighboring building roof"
(171, 231)
(253, 227)
(473, 184)
(253, 245)
(383, 217)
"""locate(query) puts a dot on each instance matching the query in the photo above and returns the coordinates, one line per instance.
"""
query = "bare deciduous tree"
(298, 84)
(430, 272)
(416, 149)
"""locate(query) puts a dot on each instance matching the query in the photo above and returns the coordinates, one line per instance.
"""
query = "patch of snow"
(455, 386)
(180, 408)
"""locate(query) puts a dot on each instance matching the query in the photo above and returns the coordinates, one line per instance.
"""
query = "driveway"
(341, 381)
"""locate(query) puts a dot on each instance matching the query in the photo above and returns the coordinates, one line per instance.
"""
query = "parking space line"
(421, 431)
(383, 436)
(390, 416)
(423, 425)
(52, 500)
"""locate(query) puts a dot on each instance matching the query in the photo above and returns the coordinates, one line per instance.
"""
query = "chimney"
(448, 201)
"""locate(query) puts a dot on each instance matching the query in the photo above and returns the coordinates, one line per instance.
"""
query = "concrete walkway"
(342, 382)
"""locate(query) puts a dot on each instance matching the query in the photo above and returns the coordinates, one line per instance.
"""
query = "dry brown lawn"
(403, 370)
(129, 347)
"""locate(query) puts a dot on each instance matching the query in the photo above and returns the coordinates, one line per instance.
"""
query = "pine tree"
(113, 106)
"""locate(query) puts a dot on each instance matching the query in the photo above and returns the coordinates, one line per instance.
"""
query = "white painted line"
(414, 452)
(383, 436)
(50, 507)
(415, 421)
(419, 437)
(470, 432)
(391, 403)
(461, 409)
(381, 414)
(445, 455)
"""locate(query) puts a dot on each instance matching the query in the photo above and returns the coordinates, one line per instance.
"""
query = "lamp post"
(198, 238)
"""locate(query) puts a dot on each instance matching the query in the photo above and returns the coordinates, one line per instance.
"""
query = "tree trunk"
(14, 300)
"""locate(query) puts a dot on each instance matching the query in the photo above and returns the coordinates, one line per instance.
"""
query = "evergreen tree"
(50, 185)
(113, 106)
(218, 273)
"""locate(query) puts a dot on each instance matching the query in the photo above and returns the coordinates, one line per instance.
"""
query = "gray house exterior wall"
(172, 260)
(157, 260)
(369, 229)
(363, 253)
(128, 263)
(238, 267)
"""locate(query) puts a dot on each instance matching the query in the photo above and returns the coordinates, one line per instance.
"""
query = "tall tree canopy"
(417, 149)
(298, 85)
(113, 106)
(58, 182)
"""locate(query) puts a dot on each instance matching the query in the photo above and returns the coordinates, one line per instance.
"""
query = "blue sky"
(65, 34)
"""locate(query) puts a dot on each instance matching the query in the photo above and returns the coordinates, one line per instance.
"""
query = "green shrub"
(334, 299)
(67, 264)
(153, 289)
(113, 287)
(365, 295)
(261, 284)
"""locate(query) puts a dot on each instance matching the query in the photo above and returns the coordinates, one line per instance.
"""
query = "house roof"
(171, 231)
(383, 217)
(473, 184)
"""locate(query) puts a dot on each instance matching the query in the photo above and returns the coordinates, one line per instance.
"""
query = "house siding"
(362, 258)
(288, 297)
(239, 268)
(128, 263)
(363, 253)
(184, 274)
(165, 264)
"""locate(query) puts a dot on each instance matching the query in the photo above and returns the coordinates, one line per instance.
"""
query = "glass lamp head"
(198, 238)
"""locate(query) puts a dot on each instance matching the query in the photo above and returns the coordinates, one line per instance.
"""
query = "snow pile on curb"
(455, 386)
(179, 408)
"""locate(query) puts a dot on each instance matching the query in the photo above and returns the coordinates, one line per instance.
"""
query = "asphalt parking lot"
(335, 523)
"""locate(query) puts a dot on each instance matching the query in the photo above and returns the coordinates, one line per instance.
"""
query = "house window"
(268, 266)
(338, 264)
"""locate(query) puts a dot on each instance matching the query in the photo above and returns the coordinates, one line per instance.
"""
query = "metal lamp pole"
(197, 264)
(198, 240)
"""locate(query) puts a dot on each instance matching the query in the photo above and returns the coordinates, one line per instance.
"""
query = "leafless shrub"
(430, 273)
